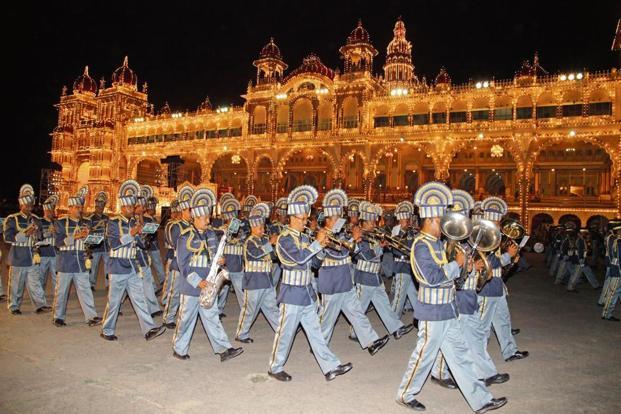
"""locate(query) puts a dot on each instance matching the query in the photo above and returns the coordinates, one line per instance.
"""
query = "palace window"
(302, 125)
(281, 127)
(503, 114)
(258, 129)
(223, 133)
(235, 132)
(381, 121)
(572, 110)
(350, 122)
(325, 124)
(438, 117)
(524, 112)
(420, 119)
(600, 108)
(212, 134)
(400, 120)
(480, 115)
(546, 111)
(456, 117)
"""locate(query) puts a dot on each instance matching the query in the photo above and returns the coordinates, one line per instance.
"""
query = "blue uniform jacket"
(295, 252)
(122, 246)
(194, 252)
(258, 259)
(99, 222)
(46, 236)
(335, 271)
(402, 261)
(435, 275)
(366, 253)
(496, 286)
(72, 254)
(175, 230)
(20, 253)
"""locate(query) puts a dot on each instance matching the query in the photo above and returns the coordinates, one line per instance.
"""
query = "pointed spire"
(86, 70)
(125, 62)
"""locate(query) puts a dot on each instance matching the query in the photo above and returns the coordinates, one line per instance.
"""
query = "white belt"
(329, 262)
(200, 260)
(258, 266)
(236, 250)
(77, 245)
(366, 266)
(127, 252)
(497, 272)
(470, 283)
(296, 277)
(436, 296)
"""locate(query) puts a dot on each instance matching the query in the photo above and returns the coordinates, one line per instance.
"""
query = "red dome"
(359, 35)
(124, 75)
(84, 83)
(270, 50)
(443, 77)
(312, 64)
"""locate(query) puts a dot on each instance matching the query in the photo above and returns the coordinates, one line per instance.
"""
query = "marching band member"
(176, 229)
(259, 291)
(403, 281)
(154, 245)
(471, 325)
(580, 266)
(609, 243)
(70, 232)
(175, 214)
(335, 282)
(47, 250)
(233, 251)
(369, 284)
(99, 222)
(568, 253)
(353, 211)
(195, 248)
(614, 286)
(20, 231)
(296, 296)
(142, 252)
(436, 310)
(123, 234)
(277, 228)
(493, 307)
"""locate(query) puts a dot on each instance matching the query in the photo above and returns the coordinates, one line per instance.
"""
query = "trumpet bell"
(455, 226)
(512, 229)
(485, 236)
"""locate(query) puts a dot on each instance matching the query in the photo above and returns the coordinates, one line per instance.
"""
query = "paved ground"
(574, 366)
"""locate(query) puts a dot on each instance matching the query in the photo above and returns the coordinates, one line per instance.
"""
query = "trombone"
(379, 235)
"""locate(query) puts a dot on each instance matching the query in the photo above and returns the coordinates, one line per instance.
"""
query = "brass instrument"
(485, 237)
(378, 235)
(456, 227)
(513, 230)
(333, 241)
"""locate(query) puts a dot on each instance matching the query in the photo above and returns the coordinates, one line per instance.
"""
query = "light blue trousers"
(404, 289)
(156, 263)
(377, 295)
(189, 310)
(82, 285)
(256, 300)
(577, 271)
(18, 278)
(98, 257)
(172, 301)
(167, 284)
(47, 265)
(445, 336)
(562, 272)
(612, 296)
(349, 304)
(236, 280)
(133, 285)
(554, 265)
(290, 317)
(494, 311)
(149, 290)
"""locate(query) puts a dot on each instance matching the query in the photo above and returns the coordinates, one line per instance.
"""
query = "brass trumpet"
(379, 235)
(333, 241)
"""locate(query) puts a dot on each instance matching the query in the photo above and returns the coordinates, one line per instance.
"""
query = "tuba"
(485, 237)
(456, 227)
(513, 231)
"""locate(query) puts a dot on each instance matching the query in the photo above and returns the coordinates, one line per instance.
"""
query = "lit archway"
(230, 173)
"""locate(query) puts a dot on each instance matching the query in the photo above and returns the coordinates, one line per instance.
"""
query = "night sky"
(188, 51)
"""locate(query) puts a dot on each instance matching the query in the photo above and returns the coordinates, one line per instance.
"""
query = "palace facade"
(547, 143)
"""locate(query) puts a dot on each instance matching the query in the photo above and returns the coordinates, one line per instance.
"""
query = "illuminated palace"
(548, 143)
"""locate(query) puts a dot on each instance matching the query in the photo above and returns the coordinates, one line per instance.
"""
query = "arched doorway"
(230, 173)
(353, 174)
(495, 185)
(597, 223)
(540, 224)
(189, 171)
(467, 182)
(307, 166)
(263, 179)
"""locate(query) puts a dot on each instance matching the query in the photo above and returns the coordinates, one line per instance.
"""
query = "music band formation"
(299, 265)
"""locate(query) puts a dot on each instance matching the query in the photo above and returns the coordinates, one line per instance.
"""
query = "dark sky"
(188, 50)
